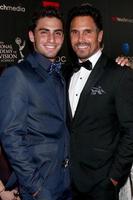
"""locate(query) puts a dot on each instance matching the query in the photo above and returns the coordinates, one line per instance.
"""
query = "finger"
(117, 59)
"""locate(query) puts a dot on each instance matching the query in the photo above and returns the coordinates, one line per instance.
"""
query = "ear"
(100, 36)
(31, 36)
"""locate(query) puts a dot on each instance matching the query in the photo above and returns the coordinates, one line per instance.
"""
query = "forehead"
(80, 22)
(52, 23)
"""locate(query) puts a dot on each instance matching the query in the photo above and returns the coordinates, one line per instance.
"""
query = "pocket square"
(97, 90)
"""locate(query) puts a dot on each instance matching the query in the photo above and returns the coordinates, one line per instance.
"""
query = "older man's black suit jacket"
(102, 128)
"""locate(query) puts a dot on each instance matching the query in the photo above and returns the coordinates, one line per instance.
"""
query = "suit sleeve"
(13, 127)
(124, 106)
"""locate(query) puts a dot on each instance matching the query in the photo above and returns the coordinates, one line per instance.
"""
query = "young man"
(101, 114)
(33, 116)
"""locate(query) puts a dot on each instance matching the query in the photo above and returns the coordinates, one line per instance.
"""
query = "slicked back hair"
(85, 10)
(45, 12)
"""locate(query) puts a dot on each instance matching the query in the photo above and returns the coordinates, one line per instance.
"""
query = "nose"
(51, 37)
(81, 37)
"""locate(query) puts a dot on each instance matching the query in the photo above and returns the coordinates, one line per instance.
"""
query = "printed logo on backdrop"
(61, 59)
(125, 48)
(21, 45)
(5, 7)
(121, 19)
(7, 53)
(11, 53)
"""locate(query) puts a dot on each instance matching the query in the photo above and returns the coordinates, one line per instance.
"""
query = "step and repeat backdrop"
(15, 16)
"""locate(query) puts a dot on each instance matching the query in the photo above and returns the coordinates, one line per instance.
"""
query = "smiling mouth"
(50, 47)
(82, 47)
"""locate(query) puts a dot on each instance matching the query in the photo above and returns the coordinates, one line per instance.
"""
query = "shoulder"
(14, 77)
(111, 65)
(16, 71)
(115, 73)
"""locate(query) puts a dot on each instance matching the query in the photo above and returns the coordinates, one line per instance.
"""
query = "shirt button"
(76, 94)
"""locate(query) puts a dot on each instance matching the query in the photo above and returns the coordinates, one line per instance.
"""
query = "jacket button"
(66, 163)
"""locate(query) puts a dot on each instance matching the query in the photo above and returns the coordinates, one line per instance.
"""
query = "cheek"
(37, 40)
(59, 41)
(74, 42)
(42, 39)
(73, 39)
(89, 38)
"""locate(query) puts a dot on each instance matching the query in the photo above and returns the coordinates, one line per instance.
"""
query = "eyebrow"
(46, 29)
(86, 29)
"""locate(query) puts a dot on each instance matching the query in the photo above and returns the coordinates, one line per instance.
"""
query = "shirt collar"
(43, 61)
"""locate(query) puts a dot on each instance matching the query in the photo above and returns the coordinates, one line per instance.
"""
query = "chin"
(83, 57)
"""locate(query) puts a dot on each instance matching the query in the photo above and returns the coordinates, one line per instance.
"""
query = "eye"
(59, 33)
(74, 32)
(88, 31)
(44, 32)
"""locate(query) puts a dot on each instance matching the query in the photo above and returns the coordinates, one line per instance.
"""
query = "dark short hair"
(49, 11)
(85, 10)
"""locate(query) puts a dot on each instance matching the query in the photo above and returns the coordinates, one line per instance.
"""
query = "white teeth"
(82, 47)
(50, 47)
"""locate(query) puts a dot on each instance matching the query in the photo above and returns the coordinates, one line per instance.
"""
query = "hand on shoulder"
(122, 61)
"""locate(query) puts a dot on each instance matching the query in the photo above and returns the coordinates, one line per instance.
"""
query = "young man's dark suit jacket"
(102, 128)
(33, 127)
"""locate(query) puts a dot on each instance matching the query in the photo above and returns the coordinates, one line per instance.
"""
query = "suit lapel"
(69, 111)
(37, 66)
(41, 69)
(68, 72)
(95, 75)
